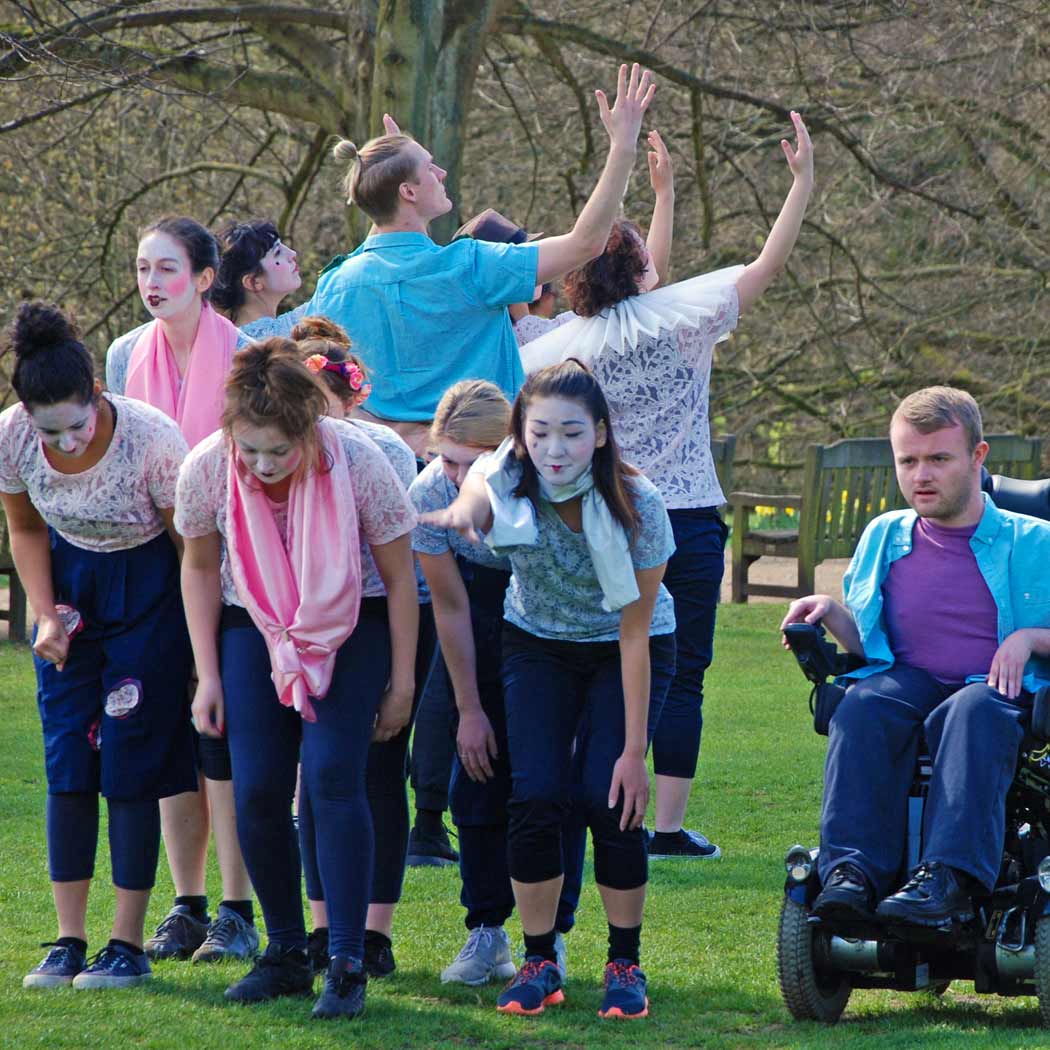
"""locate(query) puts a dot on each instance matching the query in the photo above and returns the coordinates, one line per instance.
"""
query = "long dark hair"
(573, 381)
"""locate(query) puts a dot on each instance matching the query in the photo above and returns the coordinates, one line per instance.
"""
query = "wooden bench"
(15, 613)
(844, 486)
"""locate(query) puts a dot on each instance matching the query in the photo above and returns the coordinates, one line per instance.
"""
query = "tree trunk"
(427, 54)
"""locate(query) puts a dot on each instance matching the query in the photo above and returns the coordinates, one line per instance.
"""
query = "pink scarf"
(304, 596)
(153, 377)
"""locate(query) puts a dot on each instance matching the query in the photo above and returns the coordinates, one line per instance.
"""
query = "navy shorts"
(117, 719)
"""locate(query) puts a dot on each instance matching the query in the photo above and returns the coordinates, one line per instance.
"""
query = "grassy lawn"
(708, 943)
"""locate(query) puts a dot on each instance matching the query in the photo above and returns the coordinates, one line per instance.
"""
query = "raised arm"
(661, 228)
(559, 255)
(759, 275)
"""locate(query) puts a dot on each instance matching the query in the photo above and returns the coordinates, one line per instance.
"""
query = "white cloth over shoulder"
(620, 328)
(514, 522)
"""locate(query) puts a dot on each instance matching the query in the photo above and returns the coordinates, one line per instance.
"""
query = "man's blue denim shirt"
(1013, 555)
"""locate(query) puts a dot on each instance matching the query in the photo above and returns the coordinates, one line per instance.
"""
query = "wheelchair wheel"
(809, 995)
(1042, 967)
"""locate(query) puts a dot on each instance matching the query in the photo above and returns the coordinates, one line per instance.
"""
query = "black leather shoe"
(933, 896)
(847, 894)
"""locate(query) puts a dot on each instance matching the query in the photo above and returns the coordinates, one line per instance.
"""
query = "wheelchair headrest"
(1018, 495)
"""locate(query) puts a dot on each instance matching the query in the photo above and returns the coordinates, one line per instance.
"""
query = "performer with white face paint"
(88, 485)
(177, 362)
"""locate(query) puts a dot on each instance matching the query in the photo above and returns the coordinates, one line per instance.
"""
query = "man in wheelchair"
(948, 603)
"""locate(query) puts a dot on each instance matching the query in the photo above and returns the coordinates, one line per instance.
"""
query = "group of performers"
(245, 516)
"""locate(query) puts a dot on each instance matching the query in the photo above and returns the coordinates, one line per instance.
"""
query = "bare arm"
(31, 551)
(759, 275)
(202, 599)
(822, 608)
(167, 515)
(661, 228)
(469, 513)
(559, 255)
(394, 562)
(475, 740)
(630, 773)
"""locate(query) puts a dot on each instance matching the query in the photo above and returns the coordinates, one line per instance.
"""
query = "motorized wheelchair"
(1005, 949)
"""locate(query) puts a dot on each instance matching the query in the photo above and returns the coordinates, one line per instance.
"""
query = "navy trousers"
(973, 733)
(694, 578)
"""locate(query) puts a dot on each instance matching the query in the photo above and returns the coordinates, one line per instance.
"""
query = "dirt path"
(785, 571)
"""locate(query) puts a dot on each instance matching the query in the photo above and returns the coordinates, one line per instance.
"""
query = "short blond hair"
(473, 412)
(936, 407)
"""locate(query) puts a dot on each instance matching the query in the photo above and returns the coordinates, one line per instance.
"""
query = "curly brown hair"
(610, 278)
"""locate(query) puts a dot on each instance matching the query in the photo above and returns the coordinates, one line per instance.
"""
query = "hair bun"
(39, 326)
(317, 326)
(344, 151)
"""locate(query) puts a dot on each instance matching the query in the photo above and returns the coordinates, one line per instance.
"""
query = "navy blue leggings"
(694, 578)
(72, 839)
(265, 749)
(385, 779)
(565, 725)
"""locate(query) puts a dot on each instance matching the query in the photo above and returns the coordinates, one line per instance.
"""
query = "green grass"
(708, 942)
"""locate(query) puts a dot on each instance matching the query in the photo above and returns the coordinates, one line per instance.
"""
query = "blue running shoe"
(625, 996)
(58, 968)
(115, 967)
(536, 986)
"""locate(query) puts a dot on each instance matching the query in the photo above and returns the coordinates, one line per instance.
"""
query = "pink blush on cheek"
(179, 284)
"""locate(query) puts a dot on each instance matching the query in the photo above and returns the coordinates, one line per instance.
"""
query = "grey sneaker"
(485, 955)
(561, 956)
(230, 936)
(178, 936)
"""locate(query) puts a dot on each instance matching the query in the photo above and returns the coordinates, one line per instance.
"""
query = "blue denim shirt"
(423, 317)
(1013, 556)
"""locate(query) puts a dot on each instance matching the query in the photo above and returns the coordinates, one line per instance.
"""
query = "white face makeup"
(280, 270)
(167, 284)
(456, 460)
(267, 452)
(66, 427)
(561, 437)
(430, 197)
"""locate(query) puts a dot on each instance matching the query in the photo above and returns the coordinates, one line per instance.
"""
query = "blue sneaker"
(115, 967)
(58, 968)
(536, 986)
(625, 996)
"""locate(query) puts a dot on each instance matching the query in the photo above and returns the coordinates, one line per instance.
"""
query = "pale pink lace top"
(384, 510)
(112, 506)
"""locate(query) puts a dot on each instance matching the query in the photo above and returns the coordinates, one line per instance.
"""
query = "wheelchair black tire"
(1042, 967)
(808, 995)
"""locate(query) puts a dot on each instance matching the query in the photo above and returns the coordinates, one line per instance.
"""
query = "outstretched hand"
(800, 159)
(624, 120)
(661, 174)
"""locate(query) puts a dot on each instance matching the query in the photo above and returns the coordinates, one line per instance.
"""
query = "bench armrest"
(755, 499)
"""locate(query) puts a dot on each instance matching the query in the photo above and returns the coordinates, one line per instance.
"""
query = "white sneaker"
(485, 955)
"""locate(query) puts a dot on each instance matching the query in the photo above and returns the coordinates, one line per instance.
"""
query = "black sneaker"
(343, 994)
(933, 896)
(178, 936)
(58, 967)
(847, 894)
(379, 955)
(278, 971)
(682, 845)
(317, 949)
(430, 851)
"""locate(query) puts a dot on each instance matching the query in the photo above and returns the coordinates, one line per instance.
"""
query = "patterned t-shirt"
(384, 511)
(267, 327)
(118, 356)
(554, 592)
(403, 460)
(432, 490)
(111, 506)
(658, 394)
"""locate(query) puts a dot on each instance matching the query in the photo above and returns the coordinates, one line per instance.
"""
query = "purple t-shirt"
(940, 615)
